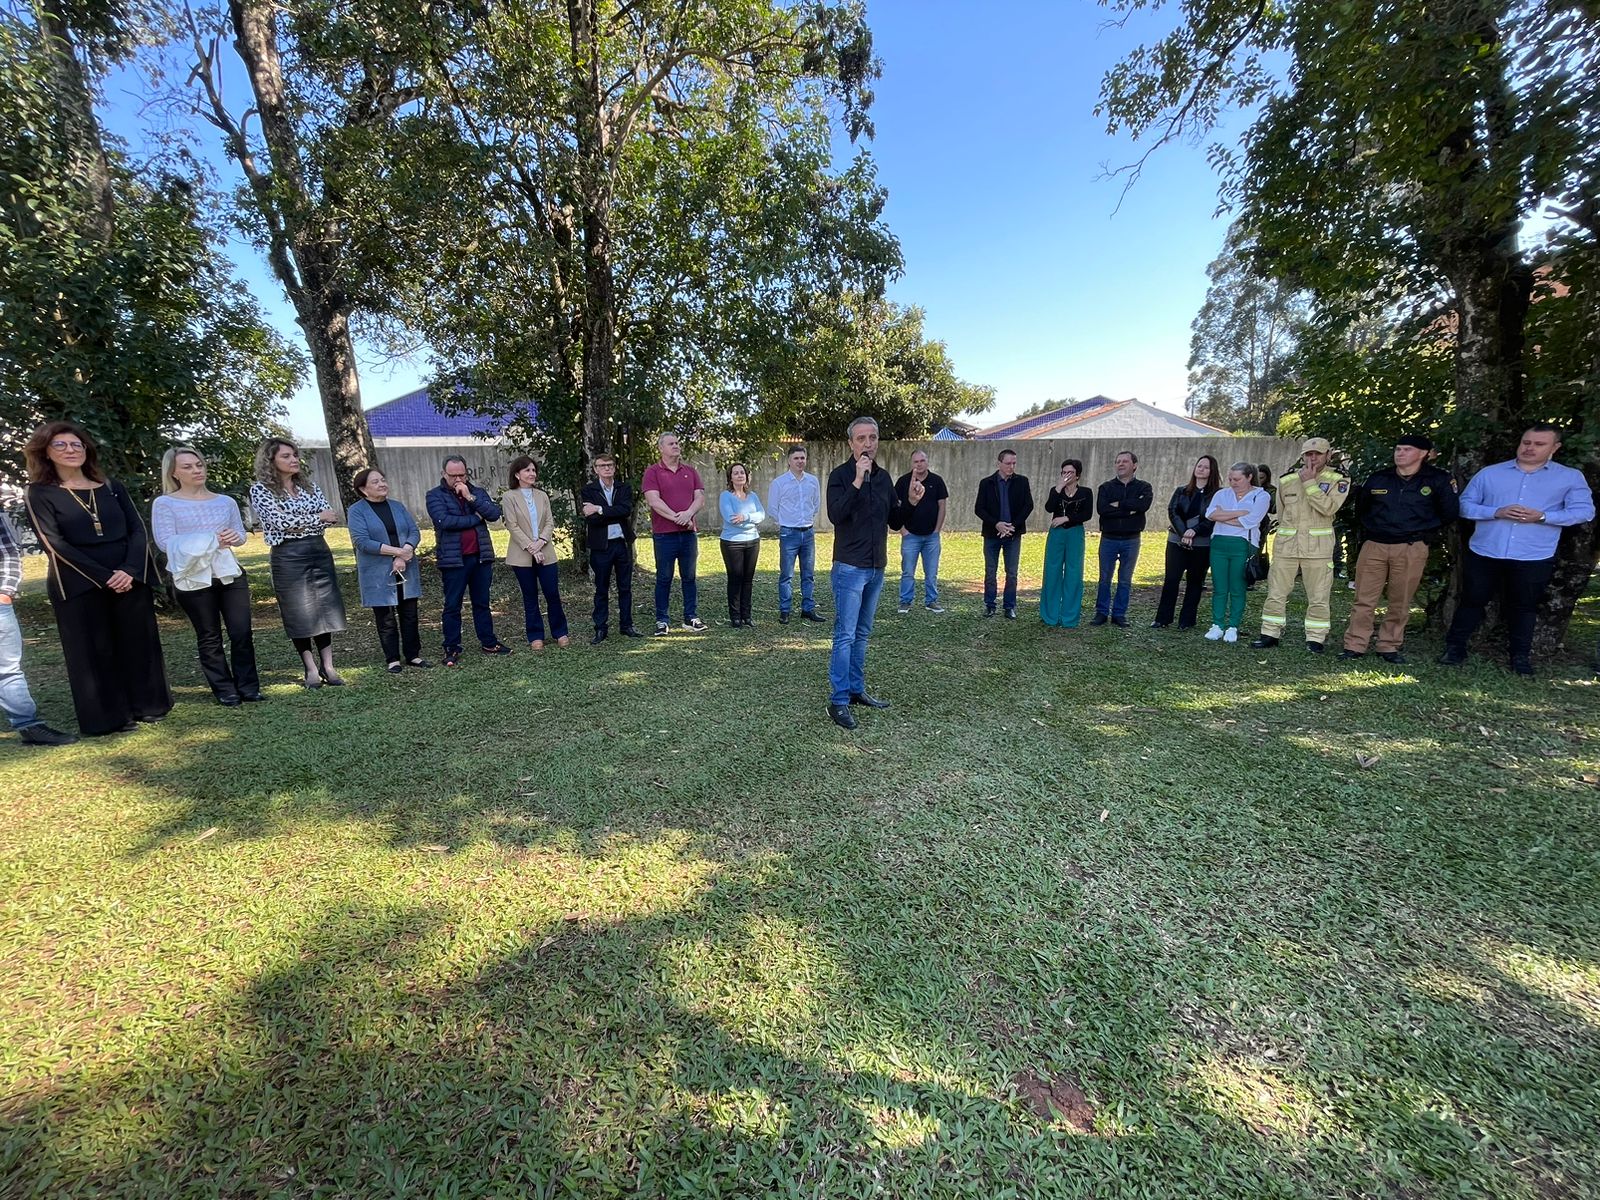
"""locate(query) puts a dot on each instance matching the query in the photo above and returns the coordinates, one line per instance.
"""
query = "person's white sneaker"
(1231, 635)
(1213, 633)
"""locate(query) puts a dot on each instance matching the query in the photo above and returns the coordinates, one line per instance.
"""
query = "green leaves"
(660, 214)
(136, 329)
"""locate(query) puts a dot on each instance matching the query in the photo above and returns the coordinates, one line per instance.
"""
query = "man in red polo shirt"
(673, 490)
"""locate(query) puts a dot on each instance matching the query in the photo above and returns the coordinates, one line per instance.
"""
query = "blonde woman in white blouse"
(293, 512)
(198, 531)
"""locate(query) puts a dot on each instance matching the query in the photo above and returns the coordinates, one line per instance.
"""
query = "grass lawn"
(1093, 912)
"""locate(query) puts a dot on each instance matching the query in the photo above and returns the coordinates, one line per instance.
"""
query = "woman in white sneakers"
(1236, 513)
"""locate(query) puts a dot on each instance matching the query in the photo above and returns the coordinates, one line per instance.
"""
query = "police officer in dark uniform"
(1402, 510)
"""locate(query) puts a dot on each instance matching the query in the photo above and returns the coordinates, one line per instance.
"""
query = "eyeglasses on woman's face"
(66, 446)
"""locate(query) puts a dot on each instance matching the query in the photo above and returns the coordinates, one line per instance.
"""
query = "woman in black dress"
(101, 576)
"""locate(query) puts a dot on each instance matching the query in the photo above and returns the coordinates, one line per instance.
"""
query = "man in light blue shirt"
(1520, 507)
(793, 501)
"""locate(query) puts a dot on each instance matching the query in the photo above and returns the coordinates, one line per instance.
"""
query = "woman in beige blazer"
(532, 556)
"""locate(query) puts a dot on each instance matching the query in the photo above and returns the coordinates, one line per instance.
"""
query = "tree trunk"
(598, 324)
(304, 244)
(333, 358)
(80, 129)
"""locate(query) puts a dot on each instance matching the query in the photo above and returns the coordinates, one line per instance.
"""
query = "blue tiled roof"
(947, 434)
(1021, 429)
(414, 415)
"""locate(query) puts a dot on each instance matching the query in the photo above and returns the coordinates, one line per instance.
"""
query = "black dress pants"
(1518, 585)
(740, 560)
(113, 656)
(613, 558)
(397, 629)
(210, 610)
(1188, 567)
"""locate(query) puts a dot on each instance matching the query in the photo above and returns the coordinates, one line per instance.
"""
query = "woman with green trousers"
(1236, 513)
(1069, 506)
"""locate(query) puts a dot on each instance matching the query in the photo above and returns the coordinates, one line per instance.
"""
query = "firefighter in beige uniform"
(1303, 545)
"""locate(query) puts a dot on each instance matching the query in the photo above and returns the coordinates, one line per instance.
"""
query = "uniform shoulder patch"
(1344, 486)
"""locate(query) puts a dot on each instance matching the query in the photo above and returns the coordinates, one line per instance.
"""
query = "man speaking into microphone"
(862, 505)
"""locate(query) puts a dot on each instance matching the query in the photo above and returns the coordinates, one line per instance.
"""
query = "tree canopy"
(862, 354)
(1244, 339)
(117, 308)
(1396, 152)
(656, 211)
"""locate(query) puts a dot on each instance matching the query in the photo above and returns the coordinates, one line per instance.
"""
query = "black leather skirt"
(307, 588)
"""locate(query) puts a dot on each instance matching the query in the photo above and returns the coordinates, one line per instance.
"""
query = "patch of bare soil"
(1058, 1099)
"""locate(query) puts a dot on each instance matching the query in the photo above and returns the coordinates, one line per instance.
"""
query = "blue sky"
(1015, 247)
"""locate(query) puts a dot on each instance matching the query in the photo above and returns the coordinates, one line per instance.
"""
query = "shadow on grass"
(1273, 972)
(754, 1041)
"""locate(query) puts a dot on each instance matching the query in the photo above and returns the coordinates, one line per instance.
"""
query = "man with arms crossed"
(920, 537)
(608, 514)
(1521, 507)
(793, 500)
(673, 490)
(1402, 512)
(1122, 503)
(862, 505)
(461, 512)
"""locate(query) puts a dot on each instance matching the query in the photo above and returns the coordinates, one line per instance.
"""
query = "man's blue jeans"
(855, 600)
(474, 575)
(15, 699)
(925, 546)
(992, 549)
(680, 550)
(1119, 555)
(797, 543)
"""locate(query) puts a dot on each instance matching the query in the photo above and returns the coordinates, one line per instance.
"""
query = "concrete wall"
(1164, 462)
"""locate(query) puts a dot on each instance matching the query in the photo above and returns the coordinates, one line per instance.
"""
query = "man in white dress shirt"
(793, 501)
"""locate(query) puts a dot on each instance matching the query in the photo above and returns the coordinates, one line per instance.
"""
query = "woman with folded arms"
(100, 580)
(385, 537)
(742, 515)
(1235, 513)
(293, 513)
(199, 531)
(1069, 506)
(532, 553)
(1188, 544)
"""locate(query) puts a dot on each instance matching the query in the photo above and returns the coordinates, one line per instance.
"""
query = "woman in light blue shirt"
(742, 515)
(1237, 511)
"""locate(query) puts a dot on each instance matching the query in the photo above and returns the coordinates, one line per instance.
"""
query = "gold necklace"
(92, 508)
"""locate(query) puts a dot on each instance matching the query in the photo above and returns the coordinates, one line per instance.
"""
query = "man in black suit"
(1004, 502)
(608, 513)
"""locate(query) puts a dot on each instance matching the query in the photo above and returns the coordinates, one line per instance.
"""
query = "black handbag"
(1256, 567)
